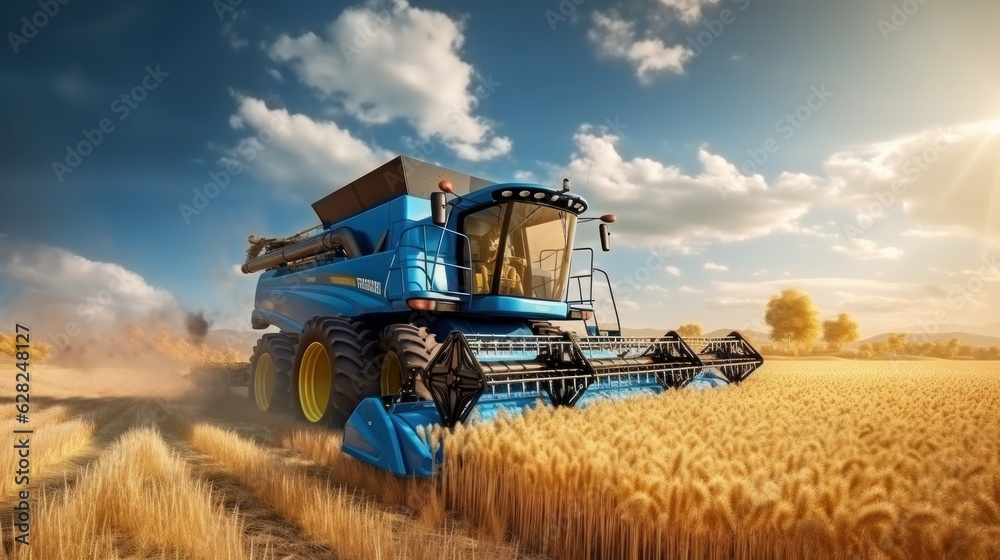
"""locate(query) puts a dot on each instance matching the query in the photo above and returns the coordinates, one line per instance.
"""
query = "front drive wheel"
(270, 372)
(335, 368)
(405, 347)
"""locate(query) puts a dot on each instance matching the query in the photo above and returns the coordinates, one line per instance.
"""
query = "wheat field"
(807, 459)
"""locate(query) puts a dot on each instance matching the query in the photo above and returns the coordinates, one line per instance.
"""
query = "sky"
(848, 149)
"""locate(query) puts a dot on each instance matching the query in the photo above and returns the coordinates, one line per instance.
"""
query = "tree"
(689, 330)
(793, 318)
(951, 349)
(840, 331)
(895, 342)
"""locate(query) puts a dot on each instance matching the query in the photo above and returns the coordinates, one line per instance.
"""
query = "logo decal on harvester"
(342, 280)
(373, 286)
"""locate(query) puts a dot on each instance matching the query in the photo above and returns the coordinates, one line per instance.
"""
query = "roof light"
(539, 195)
(524, 194)
(554, 198)
(507, 194)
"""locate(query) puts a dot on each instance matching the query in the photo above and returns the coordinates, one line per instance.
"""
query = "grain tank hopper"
(431, 297)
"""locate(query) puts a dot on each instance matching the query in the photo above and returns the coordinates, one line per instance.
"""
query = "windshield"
(532, 261)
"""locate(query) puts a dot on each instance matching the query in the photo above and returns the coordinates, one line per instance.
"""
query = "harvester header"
(432, 297)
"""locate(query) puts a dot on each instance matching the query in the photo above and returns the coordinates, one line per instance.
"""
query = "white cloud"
(689, 11)
(843, 286)
(525, 176)
(689, 290)
(959, 195)
(399, 65)
(235, 40)
(716, 267)
(69, 299)
(866, 249)
(725, 301)
(717, 204)
(943, 179)
(628, 305)
(296, 154)
(672, 270)
(65, 277)
(930, 234)
(274, 73)
(616, 38)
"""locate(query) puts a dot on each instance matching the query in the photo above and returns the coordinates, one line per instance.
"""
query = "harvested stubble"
(138, 500)
(54, 439)
(351, 525)
(804, 460)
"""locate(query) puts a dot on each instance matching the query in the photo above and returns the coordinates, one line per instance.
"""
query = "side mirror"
(439, 209)
(605, 237)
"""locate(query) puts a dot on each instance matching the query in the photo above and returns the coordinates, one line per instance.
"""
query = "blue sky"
(738, 141)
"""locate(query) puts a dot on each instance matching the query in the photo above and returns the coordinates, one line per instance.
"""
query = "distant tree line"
(796, 330)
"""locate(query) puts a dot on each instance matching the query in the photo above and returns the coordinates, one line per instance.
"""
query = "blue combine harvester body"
(407, 310)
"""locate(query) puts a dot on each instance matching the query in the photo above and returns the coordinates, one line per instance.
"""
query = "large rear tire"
(335, 367)
(404, 347)
(271, 372)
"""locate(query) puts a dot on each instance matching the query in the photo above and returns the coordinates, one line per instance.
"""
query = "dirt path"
(264, 527)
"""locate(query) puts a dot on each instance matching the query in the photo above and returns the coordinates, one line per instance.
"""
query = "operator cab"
(520, 249)
(521, 241)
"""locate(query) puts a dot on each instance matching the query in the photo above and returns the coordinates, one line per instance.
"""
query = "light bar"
(421, 304)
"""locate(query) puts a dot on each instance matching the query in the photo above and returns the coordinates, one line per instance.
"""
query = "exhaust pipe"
(340, 238)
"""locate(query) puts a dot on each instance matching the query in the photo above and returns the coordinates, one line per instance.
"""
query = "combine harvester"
(429, 297)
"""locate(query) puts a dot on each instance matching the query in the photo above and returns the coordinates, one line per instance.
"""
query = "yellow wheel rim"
(315, 380)
(263, 382)
(392, 374)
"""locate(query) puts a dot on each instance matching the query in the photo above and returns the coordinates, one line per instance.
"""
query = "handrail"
(614, 304)
(431, 260)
